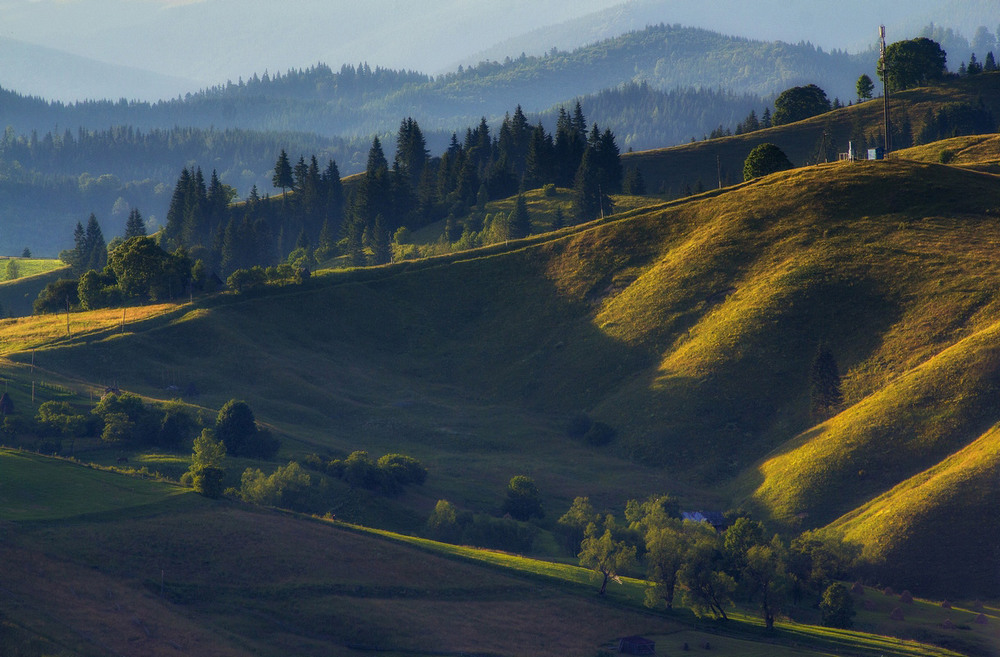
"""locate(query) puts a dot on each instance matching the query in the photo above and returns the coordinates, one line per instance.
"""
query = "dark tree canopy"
(763, 160)
(913, 63)
(837, 606)
(799, 103)
(235, 426)
(282, 178)
(523, 500)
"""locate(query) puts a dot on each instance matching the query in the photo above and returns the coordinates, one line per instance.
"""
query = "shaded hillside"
(908, 532)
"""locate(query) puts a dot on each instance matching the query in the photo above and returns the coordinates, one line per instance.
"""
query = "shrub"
(59, 418)
(548, 190)
(236, 427)
(360, 471)
(281, 488)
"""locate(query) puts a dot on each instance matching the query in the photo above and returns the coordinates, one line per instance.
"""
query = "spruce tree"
(589, 200)
(825, 397)
(135, 226)
(282, 178)
(95, 248)
(520, 225)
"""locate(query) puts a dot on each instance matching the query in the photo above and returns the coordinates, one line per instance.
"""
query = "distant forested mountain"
(360, 100)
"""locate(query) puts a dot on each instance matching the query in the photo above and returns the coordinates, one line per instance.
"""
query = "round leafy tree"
(837, 607)
(523, 500)
(799, 103)
(913, 63)
(236, 427)
(763, 160)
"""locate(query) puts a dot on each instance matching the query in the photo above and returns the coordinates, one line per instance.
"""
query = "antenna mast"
(885, 88)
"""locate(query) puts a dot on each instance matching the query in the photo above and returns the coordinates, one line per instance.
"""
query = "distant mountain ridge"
(57, 75)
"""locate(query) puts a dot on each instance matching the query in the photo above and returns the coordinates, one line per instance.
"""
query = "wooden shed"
(636, 645)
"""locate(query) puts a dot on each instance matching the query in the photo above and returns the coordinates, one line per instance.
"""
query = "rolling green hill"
(689, 327)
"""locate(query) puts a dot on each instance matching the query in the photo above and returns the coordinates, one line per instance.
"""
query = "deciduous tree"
(523, 500)
(799, 103)
(604, 555)
(913, 63)
(764, 160)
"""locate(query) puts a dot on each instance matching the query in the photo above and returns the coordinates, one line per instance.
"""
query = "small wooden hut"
(636, 645)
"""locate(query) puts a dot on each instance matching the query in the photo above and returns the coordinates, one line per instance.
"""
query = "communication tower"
(885, 90)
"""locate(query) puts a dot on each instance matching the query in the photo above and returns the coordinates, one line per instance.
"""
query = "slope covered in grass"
(689, 327)
(908, 532)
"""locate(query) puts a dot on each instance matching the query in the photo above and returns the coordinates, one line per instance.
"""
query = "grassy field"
(39, 488)
(18, 295)
(177, 573)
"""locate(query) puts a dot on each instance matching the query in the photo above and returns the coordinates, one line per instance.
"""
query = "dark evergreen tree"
(95, 249)
(76, 258)
(634, 183)
(411, 151)
(539, 159)
(825, 397)
(135, 226)
(989, 64)
(589, 200)
(282, 178)
(864, 87)
(520, 224)
(765, 119)
(607, 159)
(172, 232)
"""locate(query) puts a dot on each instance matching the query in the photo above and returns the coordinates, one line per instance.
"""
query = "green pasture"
(34, 487)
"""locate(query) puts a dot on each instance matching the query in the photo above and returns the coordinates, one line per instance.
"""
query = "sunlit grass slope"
(980, 152)
(932, 531)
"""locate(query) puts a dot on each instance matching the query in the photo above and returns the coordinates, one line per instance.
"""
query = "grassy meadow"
(159, 572)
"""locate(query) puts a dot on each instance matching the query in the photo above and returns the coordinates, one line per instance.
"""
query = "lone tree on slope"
(763, 160)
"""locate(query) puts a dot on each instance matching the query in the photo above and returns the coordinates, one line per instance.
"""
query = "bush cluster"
(389, 475)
